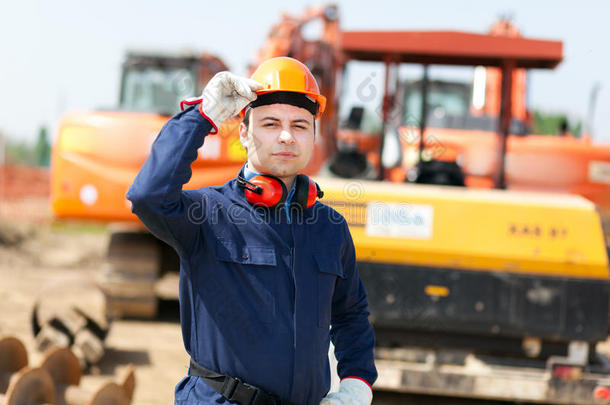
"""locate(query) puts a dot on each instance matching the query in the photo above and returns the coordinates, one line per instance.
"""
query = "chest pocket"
(250, 278)
(330, 270)
(230, 251)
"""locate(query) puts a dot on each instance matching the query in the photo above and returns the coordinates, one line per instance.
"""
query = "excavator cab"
(152, 83)
(395, 150)
(451, 105)
(156, 83)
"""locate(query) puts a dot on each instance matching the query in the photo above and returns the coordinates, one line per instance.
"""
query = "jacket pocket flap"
(233, 252)
(329, 264)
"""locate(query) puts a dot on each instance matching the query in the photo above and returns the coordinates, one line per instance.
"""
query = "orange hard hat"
(288, 74)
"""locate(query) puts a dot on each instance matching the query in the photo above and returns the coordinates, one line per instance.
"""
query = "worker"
(267, 273)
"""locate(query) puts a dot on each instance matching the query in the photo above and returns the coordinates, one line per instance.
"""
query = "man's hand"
(352, 391)
(226, 94)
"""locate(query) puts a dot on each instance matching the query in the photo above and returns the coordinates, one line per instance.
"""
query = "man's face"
(279, 139)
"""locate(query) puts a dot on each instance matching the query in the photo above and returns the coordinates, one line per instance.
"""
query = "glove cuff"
(198, 100)
(359, 386)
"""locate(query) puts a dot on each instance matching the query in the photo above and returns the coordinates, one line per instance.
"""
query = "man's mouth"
(285, 154)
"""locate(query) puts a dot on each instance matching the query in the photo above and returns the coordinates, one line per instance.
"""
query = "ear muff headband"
(301, 192)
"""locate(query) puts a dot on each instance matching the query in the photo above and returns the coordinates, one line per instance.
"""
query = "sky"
(64, 55)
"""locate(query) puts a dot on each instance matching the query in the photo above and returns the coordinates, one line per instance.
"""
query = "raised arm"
(156, 194)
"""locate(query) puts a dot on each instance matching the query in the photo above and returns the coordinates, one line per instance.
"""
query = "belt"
(235, 389)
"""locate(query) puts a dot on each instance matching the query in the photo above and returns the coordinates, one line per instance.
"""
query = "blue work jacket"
(260, 296)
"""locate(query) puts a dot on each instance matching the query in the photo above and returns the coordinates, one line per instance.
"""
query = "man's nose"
(286, 136)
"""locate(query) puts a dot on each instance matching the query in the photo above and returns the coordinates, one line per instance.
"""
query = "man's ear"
(243, 135)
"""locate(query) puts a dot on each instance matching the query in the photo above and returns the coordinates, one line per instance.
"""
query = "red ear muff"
(264, 190)
(306, 191)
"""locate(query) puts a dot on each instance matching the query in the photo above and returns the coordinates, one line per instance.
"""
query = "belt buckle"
(242, 393)
(230, 386)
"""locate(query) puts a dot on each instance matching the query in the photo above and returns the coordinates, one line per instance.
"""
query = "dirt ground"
(52, 255)
(37, 253)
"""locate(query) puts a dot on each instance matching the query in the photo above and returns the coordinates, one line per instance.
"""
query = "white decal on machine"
(399, 220)
(599, 172)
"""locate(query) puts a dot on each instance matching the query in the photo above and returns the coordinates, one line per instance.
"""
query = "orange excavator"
(98, 154)
(464, 133)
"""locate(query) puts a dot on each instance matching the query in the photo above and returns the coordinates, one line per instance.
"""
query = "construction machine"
(474, 292)
(97, 154)
(460, 120)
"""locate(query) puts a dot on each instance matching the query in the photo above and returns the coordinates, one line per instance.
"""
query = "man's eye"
(299, 127)
(270, 124)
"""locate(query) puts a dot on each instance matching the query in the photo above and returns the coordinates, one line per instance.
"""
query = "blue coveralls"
(258, 292)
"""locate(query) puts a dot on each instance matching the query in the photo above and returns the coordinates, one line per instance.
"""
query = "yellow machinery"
(480, 261)
(481, 293)
(472, 229)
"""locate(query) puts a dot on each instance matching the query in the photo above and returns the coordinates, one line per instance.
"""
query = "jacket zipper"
(294, 294)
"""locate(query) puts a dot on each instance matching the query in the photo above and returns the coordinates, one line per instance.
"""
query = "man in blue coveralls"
(267, 273)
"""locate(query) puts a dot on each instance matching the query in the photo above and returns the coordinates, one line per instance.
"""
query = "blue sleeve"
(351, 332)
(156, 193)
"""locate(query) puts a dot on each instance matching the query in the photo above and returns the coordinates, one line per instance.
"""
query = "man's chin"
(279, 171)
(284, 173)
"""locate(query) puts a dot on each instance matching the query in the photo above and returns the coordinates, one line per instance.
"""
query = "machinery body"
(479, 262)
(482, 293)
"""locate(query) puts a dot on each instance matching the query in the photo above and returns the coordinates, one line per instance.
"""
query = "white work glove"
(224, 96)
(352, 391)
